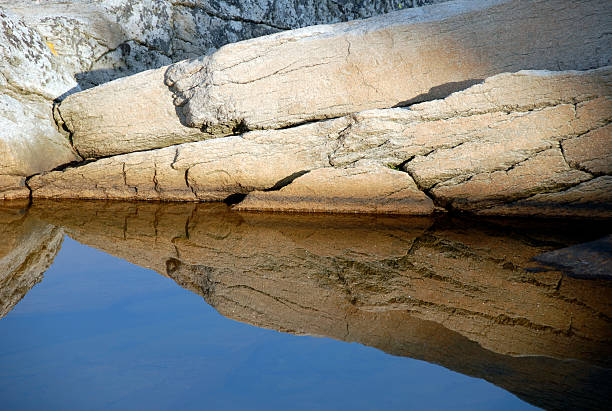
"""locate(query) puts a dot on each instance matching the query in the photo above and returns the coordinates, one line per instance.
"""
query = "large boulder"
(102, 40)
(328, 71)
(490, 149)
(31, 77)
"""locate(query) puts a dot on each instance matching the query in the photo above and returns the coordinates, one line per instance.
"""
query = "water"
(159, 306)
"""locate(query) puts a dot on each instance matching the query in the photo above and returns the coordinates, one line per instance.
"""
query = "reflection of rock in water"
(448, 292)
(27, 249)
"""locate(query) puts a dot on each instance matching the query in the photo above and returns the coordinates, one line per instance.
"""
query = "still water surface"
(196, 307)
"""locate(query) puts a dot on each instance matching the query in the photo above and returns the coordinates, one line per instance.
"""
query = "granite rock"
(31, 77)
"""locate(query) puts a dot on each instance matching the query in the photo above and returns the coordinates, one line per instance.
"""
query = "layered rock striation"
(417, 111)
(527, 143)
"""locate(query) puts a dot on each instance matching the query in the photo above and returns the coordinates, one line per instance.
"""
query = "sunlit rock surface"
(458, 293)
(31, 77)
(27, 249)
(526, 143)
(321, 72)
(408, 56)
(101, 40)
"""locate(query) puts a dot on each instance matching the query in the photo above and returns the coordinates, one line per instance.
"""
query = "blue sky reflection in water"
(100, 333)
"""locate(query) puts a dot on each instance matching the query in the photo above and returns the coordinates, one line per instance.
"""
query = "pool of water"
(191, 306)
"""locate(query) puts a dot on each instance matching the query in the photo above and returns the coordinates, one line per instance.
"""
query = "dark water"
(158, 306)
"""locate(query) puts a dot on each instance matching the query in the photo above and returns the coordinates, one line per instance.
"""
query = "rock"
(590, 152)
(320, 72)
(589, 199)
(377, 190)
(102, 40)
(27, 249)
(143, 127)
(29, 67)
(490, 149)
(276, 81)
(13, 187)
(31, 78)
(498, 142)
(451, 292)
(208, 170)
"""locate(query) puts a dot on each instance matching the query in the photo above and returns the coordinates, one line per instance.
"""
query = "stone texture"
(150, 122)
(13, 187)
(377, 190)
(450, 292)
(590, 152)
(208, 170)
(328, 71)
(27, 249)
(101, 40)
(494, 148)
(589, 199)
(30, 78)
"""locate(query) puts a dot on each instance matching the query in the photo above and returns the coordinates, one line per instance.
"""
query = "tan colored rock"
(13, 187)
(589, 199)
(125, 115)
(512, 137)
(329, 71)
(393, 136)
(591, 152)
(543, 172)
(29, 139)
(353, 190)
(209, 170)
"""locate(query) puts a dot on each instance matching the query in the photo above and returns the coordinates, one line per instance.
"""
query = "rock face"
(27, 249)
(102, 40)
(528, 143)
(30, 78)
(321, 72)
(452, 292)
(328, 71)
(151, 121)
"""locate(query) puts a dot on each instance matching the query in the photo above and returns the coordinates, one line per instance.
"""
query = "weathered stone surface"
(150, 122)
(30, 78)
(589, 199)
(328, 71)
(208, 170)
(492, 149)
(13, 187)
(591, 152)
(377, 190)
(27, 249)
(101, 40)
(28, 65)
(450, 292)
